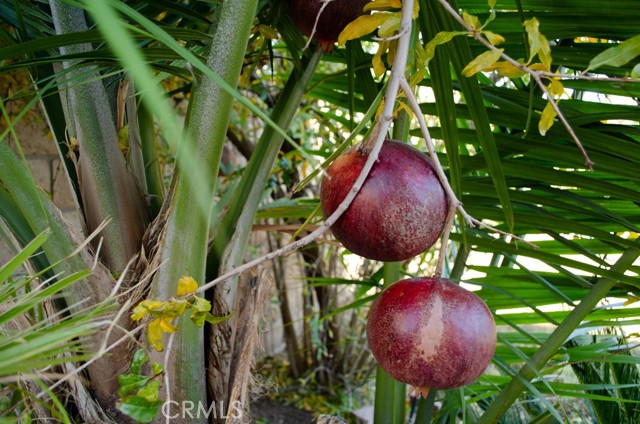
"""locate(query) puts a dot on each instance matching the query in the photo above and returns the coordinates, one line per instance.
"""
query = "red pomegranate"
(431, 333)
(333, 19)
(399, 212)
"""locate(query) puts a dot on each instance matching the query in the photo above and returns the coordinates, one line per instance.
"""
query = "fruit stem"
(445, 238)
(454, 202)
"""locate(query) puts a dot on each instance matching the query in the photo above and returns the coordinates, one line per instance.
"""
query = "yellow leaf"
(390, 25)
(154, 335)
(166, 326)
(186, 285)
(538, 43)
(506, 69)
(556, 88)
(481, 62)
(378, 65)
(471, 20)
(547, 118)
(383, 5)
(545, 53)
(143, 308)
(493, 38)
(363, 25)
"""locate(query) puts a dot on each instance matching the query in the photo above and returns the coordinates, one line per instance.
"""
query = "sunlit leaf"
(440, 38)
(547, 118)
(390, 25)
(538, 43)
(506, 69)
(493, 38)
(383, 5)
(556, 88)
(481, 62)
(471, 20)
(361, 26)
(186, 285)
(143, 308)
(618, 55)
(379, 67)
(154, 335)
(166, 326)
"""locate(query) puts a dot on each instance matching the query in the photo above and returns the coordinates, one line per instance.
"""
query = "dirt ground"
(267, 411)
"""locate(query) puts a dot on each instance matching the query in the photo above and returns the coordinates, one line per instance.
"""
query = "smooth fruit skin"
(431, 333)
(335, 16)
(399, 212)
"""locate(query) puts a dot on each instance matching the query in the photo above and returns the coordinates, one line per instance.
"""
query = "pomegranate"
(335, 16)
(431, 333)
(399, 212)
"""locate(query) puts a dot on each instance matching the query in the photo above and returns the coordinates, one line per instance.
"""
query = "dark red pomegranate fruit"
(431, 333)
(333, 19)
(399, 212)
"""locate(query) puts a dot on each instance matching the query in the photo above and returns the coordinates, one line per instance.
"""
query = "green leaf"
(217, 320)
(140, 408)
(150, 392)
(140, 357)
(440, 38)
(635, 73)
(132, 383)
(617, 56)
(481, 62)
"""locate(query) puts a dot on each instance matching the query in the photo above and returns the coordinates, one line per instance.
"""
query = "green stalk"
(108, 189)
(153, 174)
(555, 341)
(184, 245)
(425, 408)
(389, 406)
(249, 192)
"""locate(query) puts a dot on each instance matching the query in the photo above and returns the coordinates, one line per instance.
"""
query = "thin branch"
(167, 383)
(384, 120)
(534, 74)
(325, 3)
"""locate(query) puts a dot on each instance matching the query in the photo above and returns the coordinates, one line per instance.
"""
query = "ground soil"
(268, 411)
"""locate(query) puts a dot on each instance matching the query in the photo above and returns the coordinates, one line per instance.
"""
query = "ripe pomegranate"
(399, 212)
(335, 16)
(431, 333)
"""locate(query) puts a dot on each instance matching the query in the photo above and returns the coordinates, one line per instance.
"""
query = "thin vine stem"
(536, 75)
(380, 131)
